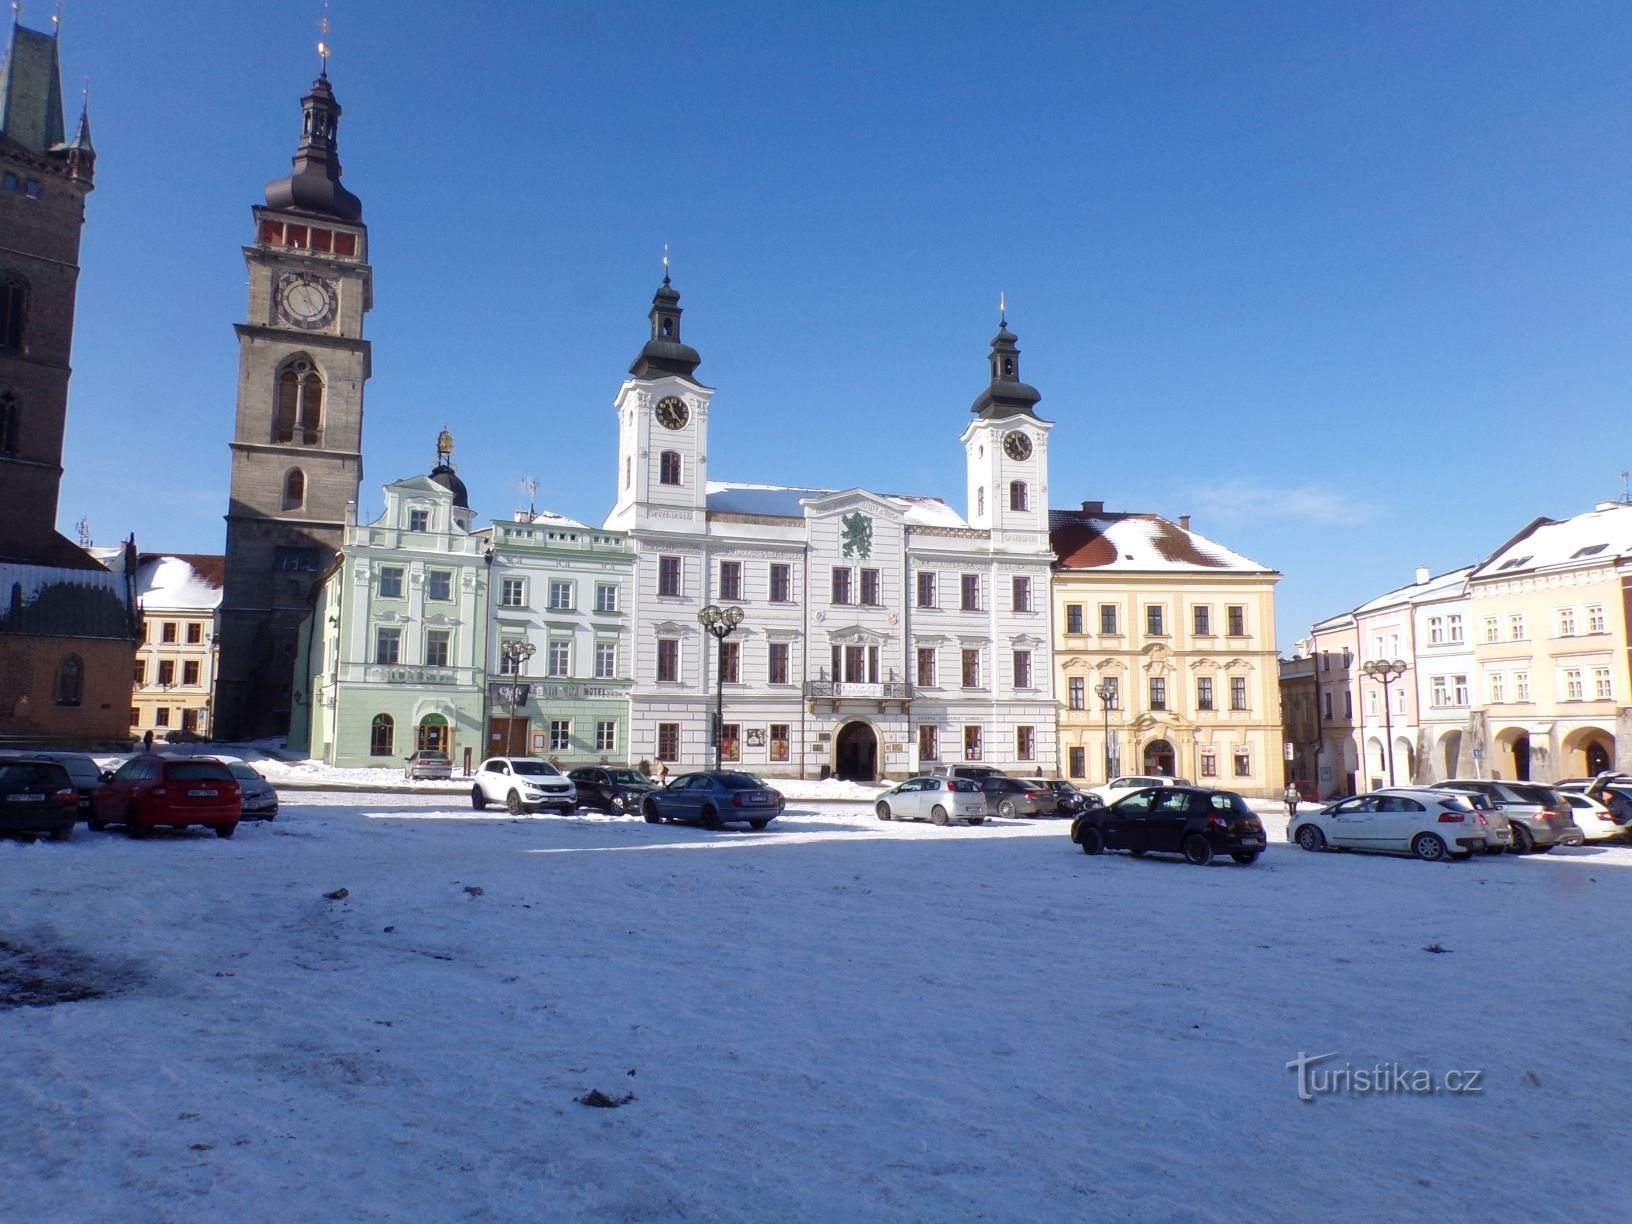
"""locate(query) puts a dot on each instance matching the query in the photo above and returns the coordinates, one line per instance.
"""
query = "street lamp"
(722, 623)
(1385, 672)
(1105, 690)
(516, 652)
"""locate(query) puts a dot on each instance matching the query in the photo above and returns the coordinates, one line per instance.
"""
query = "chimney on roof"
(1093, 507)
(1184, 522)
(1422, 574)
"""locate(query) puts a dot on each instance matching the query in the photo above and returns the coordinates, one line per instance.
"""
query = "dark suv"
(37, 797)
(1540, 817)
(611, 790)
(1187, 820)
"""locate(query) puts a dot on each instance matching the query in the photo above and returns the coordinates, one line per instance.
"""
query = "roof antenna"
(1626, 486)
(531, 485)
(322, 44)
(665, 263)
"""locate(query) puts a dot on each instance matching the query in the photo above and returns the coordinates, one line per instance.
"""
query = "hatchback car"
(522, 784)
(1011, 797)
(611, 790)
(975, 773)
(1591, 815)
(938, 800)
(86, 775)
(1128, 783)
(151, 790)
(37, 797)
(260, 798)
(714, 797)
(1068, 800)
(1539, 816)
(427, 763)
(1614, 794)
(1188, 820)
(1433, 825)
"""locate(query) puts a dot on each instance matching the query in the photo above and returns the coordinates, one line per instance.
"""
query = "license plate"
(1251, 841)
(759, 797)
(25, 798)
(202, 794)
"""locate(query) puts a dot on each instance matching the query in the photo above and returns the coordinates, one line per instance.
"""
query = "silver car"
(941, 800)
(260, 797)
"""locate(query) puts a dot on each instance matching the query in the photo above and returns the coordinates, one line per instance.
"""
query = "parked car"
(427, 763)
(975, 773)
(714, 797)
(1591, 816)
(611, 790)
(1539, 816)
(939, 800)
(1498, 829)
(1433, 825)
(86, 775)
(181, 735)
(260, 799)
(1611, 790)
(1189, 820)
(1011, 797)
(1068, 800)
(1128, 783)
(151, 790)
(37, 796)
(522, 784)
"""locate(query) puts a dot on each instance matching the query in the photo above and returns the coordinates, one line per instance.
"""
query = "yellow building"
(1164, 654)
(173, 687)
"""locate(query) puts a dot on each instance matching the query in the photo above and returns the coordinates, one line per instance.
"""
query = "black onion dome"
(314, 186)
(445, 476)
(1006, 395)
(663, 353)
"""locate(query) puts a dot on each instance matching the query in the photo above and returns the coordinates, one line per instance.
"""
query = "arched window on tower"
(13, 309)
(1017, 495)
(300, 404)
(10, 410)
(70, 681)
(669, 467)
(294, 489)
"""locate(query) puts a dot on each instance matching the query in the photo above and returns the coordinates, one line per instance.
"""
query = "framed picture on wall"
(756, 737)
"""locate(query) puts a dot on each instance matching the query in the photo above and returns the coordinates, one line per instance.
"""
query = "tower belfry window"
(9, 412)
(13, 308)
(300, 404)
(294, 490)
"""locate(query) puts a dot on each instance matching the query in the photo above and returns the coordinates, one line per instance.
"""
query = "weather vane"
(322, 43)
(665, 263)
(16, 12)
(1002, 310)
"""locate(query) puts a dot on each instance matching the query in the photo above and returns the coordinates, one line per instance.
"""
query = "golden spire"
(665, 263)
(322, 43)
(444, 445)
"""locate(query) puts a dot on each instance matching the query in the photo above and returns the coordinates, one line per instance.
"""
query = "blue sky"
(1347, 283)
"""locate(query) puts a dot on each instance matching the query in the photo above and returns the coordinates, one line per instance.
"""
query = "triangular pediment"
(849, 500)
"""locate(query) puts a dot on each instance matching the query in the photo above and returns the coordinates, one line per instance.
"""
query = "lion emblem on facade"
(858, 535)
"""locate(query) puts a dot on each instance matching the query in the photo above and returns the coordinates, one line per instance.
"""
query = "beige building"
(175, 660)
(1333, 646)
(1164, 653)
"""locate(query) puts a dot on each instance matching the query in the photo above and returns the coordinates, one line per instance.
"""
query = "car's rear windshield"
(961, 784)
(430, 754)
(541, 769)
(629, 777)
(80, 769)
(42, 774)
(1526, 793)
(245, 772)
(1229, 801)
(196, 771)
(739, 781)
(1006, 784)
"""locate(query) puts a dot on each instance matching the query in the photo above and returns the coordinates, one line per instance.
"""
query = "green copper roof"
(31, 91)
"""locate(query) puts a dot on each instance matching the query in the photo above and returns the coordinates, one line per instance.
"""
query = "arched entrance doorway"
(1597, 757)
(432, 732)
(1521, 757)
(1159, 758)
(855, 753)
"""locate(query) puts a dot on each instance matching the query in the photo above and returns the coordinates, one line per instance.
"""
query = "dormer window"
(1591, 550)
(1515, 563)
(419, 520)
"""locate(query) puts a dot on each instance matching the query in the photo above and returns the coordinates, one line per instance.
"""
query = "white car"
(941, 800)
(1128, 783)
(1432, 825)
(523, 784)
(1595, 821)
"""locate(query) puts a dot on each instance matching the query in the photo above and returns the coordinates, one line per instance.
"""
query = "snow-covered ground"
(836, 1019)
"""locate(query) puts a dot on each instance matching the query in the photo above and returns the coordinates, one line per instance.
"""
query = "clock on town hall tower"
(297, 441)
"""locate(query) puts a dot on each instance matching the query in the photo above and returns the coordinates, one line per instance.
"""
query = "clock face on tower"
(672, 412)
(1016, 445)
(305, 300)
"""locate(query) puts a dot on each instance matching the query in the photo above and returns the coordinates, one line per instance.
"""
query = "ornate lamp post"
(515, 652)
(1105, 690)
(1385, 672)
(722, 623)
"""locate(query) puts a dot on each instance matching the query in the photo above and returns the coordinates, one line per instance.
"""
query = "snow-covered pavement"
(836, 1019)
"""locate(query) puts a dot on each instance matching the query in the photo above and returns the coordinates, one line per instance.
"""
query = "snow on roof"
(787, 501)
(1601, 534)
(1100, 541)
(191, 580)
(547, 517)
(1419, 592)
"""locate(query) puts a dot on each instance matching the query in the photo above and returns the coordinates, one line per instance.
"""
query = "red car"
(151, 790)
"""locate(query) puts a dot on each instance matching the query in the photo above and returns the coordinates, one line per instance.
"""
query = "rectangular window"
(730, 742)
(929, 744)
(509, 661)
(167, 672)
(437, 642)
(606, 597)
(971, 669)
(1493, 629)
(195, 630)
(606, 660)
(135, 716)
(419, 520)
(161, 716)
(1436, 630)
(390, 582)
(926, 589)
(1018, 499)
(560, 734)
(560, 595)
(1076, 689)
(1021, 594)
(731, 662)
(439, 585)
(1440, 691)
(169, 631)
(1521, 686)
(970, 589)
(1076, 762)
(1348, 706)
(1595, 618)
(1515, 627)
(1600, 684)
(1209, 763)
(1111, 699)
(1453, 626)
(1326, 710)
(1153, 620)
(668, 468)
(1238, 692)
(512, 592)
(1025, 743)
(841, 584)
(926, 666)
(558, 659)
(1243, 763)
(668, 660)
(1022, 669)
(777, 663)
(781, 584)
(668, 741)
(1459, 690)
(731, 580)
(141, 671)
(1498, 688)
(1201, 620)
(1572, 684)
(1107, 618)
(1073, 618)
(971, 743)
(1158, 693)
(1235, 616)
(779, 742)
(606, 735)
(1566, 622)
(869, 587)
(1204, 692)
(387, 645)
(668, 575)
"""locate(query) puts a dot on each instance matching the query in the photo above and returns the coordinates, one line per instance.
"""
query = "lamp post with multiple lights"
(515, 653)
(1385, 672)
(722, 623)
(1106, 691)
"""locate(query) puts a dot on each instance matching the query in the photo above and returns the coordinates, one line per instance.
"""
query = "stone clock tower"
(297, 442)
(1006, 449)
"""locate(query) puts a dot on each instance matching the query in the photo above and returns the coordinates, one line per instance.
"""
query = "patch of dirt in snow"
(43, 973)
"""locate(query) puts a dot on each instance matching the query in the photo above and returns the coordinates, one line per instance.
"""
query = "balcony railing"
(838, 690)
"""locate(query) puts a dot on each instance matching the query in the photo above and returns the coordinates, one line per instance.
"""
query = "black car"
(1188, 820)
(86, 775)
(611, 790)
(37, 797)
(1068, 800)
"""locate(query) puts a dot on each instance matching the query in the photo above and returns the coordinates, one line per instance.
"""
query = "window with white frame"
(391, 581)
(1521, 686)
(969, 585)
(1572, 684)
(387, 645)
(1436, 630)
(1236, 617)
(971, 742)
(1493, 629)
(1073, 618)
(1459, 690)
(1601, 690)
(560, 595)
(1025, 743)
(1076, 689)
(1204, 692)
(1201, 620)
(509, 661)
(1371, 703)
(668, 662)
(669, 468)
(1243, 763)
(437, 646)
(1113, 692)
(1515, 626)
(1209, 763)
(1440, 691)
(1453, 626)
(731, 580)
(841, 585)
(668, 575)
(1238, 692)
(781, 583)
(560, 734)
(606, 660)
(1022, 669)
(1158, 693)
(668, 741)
(776, 663)
(419, 520)
(971, 668)
(869, 588)
(926, 589)
(1022, 594)
(926, 666)
(929, 740)
(1496, 683)
(730, 663)
(439, 585)
(1595, 618)
(1107, 619)
(512, 592)
(606, 597)
(558, 658)
(1566, 622)
(606, 735)
(1155, 622)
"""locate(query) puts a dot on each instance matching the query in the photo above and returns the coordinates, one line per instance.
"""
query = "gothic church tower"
(297, 444)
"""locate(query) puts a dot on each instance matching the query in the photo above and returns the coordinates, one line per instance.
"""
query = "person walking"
(1292, 797)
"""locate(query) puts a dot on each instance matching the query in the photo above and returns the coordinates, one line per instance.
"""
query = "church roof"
(31, 91)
